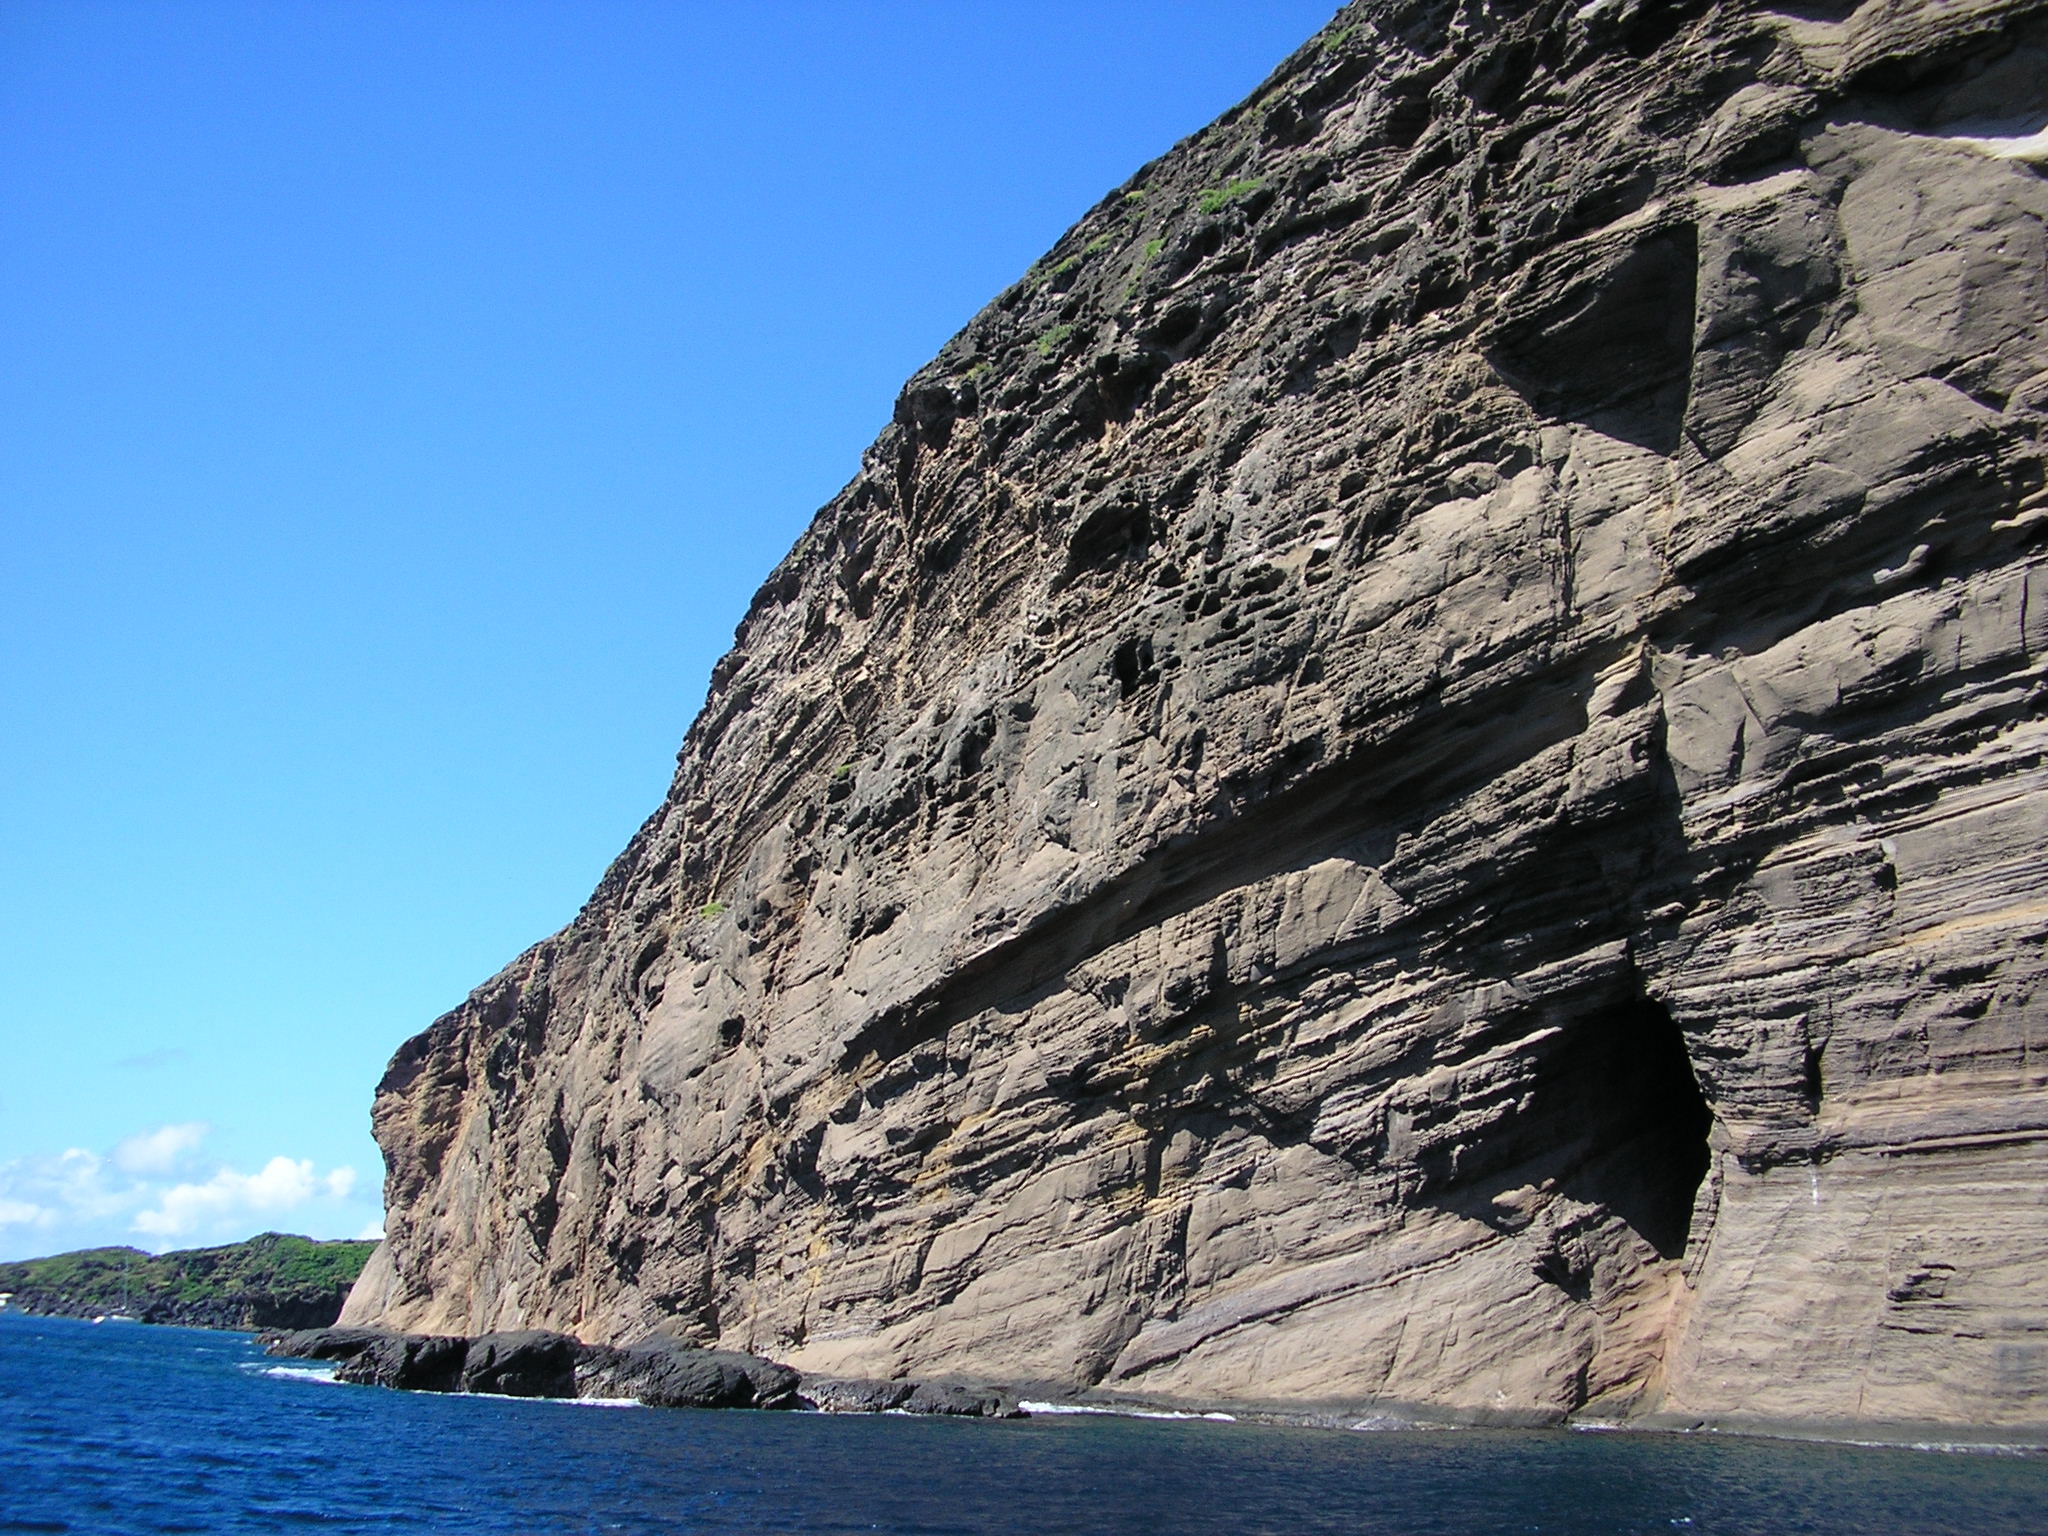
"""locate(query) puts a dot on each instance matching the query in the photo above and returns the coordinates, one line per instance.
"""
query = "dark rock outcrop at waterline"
(529, 1363)
(1416, 772)
(661, 1373)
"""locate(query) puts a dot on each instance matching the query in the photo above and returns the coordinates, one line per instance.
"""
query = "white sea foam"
(2031, 1449)
(1951, 1447)
(1387, 1423)
(297, 1372)
(564, 1402)
(1056, 1409)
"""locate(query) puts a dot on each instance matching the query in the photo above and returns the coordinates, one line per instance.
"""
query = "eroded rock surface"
(663, 1374)
(1415, 772)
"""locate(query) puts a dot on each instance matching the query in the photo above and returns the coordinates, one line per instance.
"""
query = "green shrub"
(1216, 199)
(1053, 340)
(711, 910)
(1043, 272)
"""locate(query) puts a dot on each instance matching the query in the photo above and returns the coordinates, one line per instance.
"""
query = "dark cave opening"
(1608, 1114)
(1641, 1149)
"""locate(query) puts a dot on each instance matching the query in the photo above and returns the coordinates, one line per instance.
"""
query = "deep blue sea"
(126, 1428)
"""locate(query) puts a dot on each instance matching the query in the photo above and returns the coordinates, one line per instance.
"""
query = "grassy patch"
(1044, 271)
(1052, 340)
(1216, 199)
(711, 910)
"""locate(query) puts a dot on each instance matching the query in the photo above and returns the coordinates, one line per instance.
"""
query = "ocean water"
(125, 1428)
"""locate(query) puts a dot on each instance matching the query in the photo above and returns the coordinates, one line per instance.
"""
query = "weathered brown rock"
(1416, 772)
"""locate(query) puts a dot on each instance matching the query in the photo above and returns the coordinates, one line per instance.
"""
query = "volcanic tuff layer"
(1416, 771)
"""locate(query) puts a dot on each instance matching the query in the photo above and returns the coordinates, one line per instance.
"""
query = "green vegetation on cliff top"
(274, 1264)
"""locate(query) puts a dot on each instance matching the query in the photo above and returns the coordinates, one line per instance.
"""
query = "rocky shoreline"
(229, 1314)
(657, 1373)
(669, 1373)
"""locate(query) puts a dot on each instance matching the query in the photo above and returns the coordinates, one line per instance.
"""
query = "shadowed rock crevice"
(1605, 1111)
(1606, 337)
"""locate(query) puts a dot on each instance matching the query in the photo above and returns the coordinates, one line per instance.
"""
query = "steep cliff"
(1416, 771)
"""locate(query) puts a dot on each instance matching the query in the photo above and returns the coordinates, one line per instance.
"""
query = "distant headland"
(274, 1280)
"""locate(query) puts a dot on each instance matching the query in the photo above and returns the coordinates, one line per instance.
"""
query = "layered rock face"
(1415, 772)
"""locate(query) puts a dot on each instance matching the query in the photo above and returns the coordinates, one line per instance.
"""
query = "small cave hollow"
(1626, 1085)
(1133, 666)
(1606, 1112)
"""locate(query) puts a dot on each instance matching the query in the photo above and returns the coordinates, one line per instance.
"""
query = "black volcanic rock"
(412, 1362)
(963, 1401)
(664, 1374)
(855, 1394)
(321, 1343)
(527, 1363)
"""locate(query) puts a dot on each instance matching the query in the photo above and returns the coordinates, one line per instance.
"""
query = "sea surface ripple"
(122, 1428)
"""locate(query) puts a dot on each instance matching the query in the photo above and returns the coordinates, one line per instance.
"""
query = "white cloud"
(46, 1192)
(161, 1150)
(374, 1232)
(80, 1199)
(277, 1186)
(76, 1184)
(25, 1213)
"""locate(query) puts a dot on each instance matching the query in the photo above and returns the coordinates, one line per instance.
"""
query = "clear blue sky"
(402, 400)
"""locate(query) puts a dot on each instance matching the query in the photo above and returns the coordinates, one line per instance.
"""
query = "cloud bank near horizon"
(159, 1189)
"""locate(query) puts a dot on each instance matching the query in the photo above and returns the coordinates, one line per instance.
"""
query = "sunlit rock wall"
(1414, 773)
